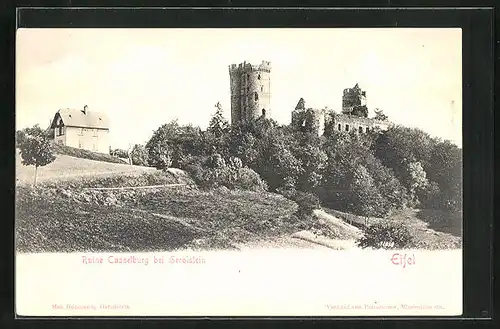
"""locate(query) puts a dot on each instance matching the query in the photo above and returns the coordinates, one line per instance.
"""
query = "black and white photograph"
(238, 172)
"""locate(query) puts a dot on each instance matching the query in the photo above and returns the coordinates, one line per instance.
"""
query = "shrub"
(307, 201)
(214, 173)
(139, 155)
(387, 234)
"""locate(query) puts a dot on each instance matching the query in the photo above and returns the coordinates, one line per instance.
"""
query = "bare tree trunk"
(36, 169)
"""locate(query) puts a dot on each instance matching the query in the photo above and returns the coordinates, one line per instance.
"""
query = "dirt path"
(133, 187)
(300, 240)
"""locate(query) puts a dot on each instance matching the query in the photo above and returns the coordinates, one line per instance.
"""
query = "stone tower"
(250, 91)
(354, 102)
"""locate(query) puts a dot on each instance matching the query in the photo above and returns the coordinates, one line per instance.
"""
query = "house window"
(367, 129)
(360, 130)
(80, 131)
(340, 127)
(258, 77)
(263, 112)
(261, 88)
(256, 97)
(346, 127)
(60, 130)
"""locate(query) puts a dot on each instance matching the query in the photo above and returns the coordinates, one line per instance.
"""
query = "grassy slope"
(67, 168)
(168, 220)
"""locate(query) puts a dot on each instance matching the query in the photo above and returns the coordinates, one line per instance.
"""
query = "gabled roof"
(77, 118)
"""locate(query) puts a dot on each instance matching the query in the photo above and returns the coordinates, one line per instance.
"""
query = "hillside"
(67, 167)
(155, 219)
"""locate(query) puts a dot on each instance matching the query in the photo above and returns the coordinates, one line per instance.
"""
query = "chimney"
(85, 109)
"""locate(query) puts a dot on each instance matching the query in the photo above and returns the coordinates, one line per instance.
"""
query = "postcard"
(238, 172)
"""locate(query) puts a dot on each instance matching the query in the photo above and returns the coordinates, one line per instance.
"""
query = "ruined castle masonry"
(354, 116)
(309, 119)
(250, 91)
(354, 102)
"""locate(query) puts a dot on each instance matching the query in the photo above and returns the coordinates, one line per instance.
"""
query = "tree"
(139, 155)
(365, 199)
(36, 149)
(218, 125)
(161, 146)
(20, 137)
(400, 146)
(307, 149)
(446, 170)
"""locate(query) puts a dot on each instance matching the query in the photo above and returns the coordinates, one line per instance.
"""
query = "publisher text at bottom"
(400, 307)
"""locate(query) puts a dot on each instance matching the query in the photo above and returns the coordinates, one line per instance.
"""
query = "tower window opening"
(263, 112)
(360, 130)
(261, 88)
(346, 127)
(367, 129)
(256, 97)
(258, 77)
(340, 127)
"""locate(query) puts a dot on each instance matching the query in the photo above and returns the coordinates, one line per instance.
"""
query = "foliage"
(368, 174)
(218, 125)
(172, 145)
(119, 153)
(446, 170)
(365, 199)
(36, 149)
(20, 137)
(306, 201)
(277, 164)
(387, 234)
(139, 155)
(214, 172)
(425, 166)
(307, 148)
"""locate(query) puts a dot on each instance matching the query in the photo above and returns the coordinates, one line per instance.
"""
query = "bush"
(387, 234)
(139, 155)
(242, 178)
(307, 201)
(214, 171)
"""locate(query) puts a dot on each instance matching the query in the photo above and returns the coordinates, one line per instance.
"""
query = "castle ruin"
(250, 91)
(354, 116)
(251, 99)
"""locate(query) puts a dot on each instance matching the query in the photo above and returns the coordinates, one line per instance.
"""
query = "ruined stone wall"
(348, 123)
(310, 120)
(250, 91)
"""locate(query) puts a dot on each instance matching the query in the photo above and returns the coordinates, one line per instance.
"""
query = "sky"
(143, 78)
